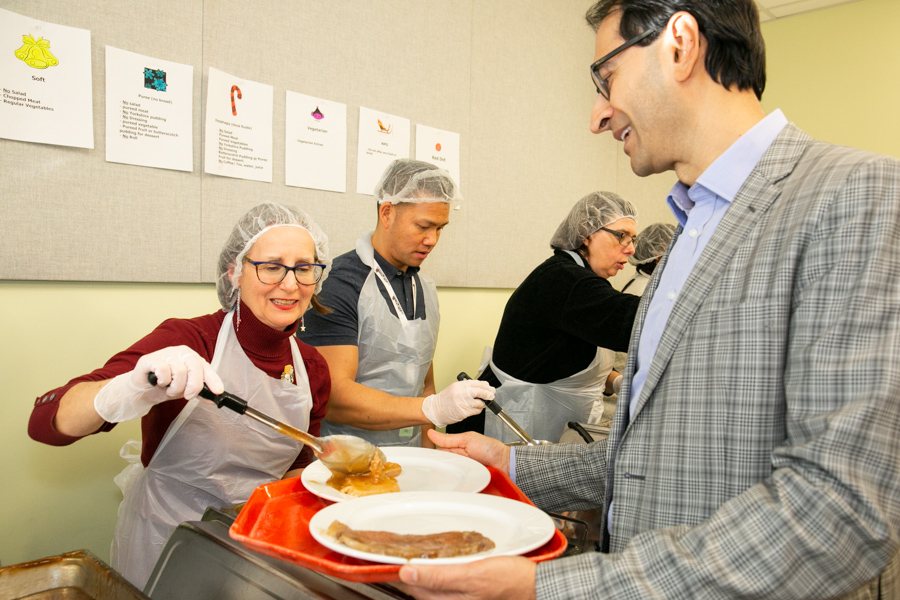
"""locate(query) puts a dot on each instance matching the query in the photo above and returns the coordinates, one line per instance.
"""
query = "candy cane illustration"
(234, 89)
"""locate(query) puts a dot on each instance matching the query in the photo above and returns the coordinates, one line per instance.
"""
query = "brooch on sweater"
(288, 374)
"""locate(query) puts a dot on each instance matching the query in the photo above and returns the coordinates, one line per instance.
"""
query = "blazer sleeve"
(562, 477)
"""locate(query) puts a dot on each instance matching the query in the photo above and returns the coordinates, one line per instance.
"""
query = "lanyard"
(401, 313)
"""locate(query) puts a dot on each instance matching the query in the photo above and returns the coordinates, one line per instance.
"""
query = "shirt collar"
(725, 176)
(390, 270)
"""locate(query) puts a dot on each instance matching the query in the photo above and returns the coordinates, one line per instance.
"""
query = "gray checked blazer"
(763, 459)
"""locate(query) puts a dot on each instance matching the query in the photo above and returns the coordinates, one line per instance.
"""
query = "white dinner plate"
(423, 469)
(514, 527)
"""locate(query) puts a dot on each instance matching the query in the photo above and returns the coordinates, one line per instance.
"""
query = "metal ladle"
(345, 454)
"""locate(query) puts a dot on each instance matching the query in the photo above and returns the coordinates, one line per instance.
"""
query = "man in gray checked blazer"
(755, 452)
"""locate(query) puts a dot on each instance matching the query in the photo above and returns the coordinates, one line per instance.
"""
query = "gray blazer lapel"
(757, 194)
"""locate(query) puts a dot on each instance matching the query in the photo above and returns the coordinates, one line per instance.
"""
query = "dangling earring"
(238, 326)
(302, 325)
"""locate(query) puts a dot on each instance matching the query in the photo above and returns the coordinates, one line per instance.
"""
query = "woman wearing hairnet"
(552, 357)
(194, 455)
(652, 244)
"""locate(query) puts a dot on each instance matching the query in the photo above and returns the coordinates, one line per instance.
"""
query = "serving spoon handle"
(239, 405)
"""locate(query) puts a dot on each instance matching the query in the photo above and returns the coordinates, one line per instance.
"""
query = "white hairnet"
(596, 210)
(408, 180)
(652, 243)
(248, 229)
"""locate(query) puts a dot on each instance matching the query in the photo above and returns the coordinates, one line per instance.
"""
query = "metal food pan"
(202, 562)
(75, 575)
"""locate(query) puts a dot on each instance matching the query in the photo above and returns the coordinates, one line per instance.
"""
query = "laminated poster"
(440, 148)
(238, 127)
(45, 82)
(148, 111)
(315, 143)
(382, 139)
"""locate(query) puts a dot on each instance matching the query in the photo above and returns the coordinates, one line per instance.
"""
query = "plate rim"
(463, 498)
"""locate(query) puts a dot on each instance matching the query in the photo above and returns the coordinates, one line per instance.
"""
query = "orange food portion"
(381, 479)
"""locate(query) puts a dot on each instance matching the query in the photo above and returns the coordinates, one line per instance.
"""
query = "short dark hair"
(736, 53)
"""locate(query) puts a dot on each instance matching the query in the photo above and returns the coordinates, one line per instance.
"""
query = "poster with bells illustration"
(45, 82)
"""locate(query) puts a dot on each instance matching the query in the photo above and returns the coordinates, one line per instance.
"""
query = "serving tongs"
(498, 410)
(345, 454)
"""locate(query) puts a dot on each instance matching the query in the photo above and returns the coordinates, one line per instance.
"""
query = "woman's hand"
(180, 373)
(485, 450)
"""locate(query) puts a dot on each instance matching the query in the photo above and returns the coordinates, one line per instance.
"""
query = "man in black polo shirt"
(379, 340)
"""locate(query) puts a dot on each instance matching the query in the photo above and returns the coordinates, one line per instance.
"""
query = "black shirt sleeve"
(599, 314)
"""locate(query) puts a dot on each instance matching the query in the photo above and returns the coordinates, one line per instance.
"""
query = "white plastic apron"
(637, 284)
(543, 409)
(394, 352)
(209, 457)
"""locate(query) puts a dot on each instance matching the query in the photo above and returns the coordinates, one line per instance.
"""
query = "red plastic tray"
(275, 522)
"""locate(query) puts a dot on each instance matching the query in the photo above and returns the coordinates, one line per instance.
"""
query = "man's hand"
(501, 577)
(485, 450)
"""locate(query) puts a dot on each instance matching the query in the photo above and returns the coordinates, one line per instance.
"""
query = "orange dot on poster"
(437, 147)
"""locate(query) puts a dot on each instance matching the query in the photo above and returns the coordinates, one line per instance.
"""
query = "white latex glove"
(457, 401)
(180, 373)
(617, 384)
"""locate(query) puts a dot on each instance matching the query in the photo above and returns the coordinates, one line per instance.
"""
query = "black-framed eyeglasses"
(624, 238)
(273, 273)
(602, 88)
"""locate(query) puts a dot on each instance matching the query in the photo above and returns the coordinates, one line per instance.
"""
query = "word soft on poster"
(148, 111)
(315, 143)
(45, 82)
(238, 127)
(382, 139)
(440, 148)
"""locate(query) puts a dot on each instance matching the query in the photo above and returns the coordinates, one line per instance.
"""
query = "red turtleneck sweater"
(267, 348)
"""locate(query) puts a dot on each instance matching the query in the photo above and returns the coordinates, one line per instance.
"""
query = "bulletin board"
(510, 77)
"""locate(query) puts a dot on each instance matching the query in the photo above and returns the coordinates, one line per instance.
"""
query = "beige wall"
(836, 73)
(833, 72)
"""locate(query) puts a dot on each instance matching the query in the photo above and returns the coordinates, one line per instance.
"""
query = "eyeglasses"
(602, 87)
(272, 273)
(624, 238)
